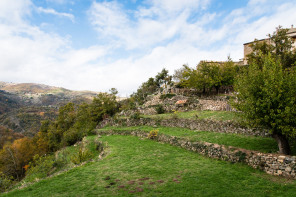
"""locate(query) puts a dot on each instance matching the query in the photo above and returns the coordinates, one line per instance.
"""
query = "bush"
(175, 114)
(153, 134)
(81, 156)
(99, 145)
(165, 96)
(72, 136)
(5, 182)
(159, 109)
(135, 115)
(40, 167)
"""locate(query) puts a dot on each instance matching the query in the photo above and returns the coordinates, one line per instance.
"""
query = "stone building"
(247, 46)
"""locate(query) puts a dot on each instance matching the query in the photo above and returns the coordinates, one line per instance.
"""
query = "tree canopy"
(266, 90)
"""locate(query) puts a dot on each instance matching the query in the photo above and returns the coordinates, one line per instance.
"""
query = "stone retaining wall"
(274, 164)
(198, 124)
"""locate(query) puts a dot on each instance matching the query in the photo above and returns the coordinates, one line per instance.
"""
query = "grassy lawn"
(137, 167)
(262, 144)
(215, 115)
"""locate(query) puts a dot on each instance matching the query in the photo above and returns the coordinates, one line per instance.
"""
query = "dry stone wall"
(198, 124)
(274, 164)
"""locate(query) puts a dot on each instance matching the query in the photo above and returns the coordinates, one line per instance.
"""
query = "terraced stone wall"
(274, 164)
(198, 124)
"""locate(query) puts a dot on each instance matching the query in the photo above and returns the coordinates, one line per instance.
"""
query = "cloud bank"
(131, 44)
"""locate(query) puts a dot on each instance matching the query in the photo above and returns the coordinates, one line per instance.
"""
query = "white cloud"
(54, 12)
(12, 12)
(162, 34)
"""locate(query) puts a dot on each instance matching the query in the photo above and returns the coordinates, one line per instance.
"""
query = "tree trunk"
(283, 144)
(217, 89)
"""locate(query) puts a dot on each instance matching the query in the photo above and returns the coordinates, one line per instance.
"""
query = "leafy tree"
(186, 77)
(279, 45)
(207, 75)
(266, 96)
(163, 78)
(15, 156)
(113, 91)
(103, 105)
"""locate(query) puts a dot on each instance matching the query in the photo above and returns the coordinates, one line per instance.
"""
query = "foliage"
(135, 115)
(151, 86)
(8, 136)
(81, 156)
(103, 105)
(279, 45)
(167, 96)
(197, 175)
(207, 75)
(153, 134)
(5, 182)
(266, 95)
(175, 114)
(127, 104)
(40, 167)
(163, 78)
(113, 91)
(159, 109)
(15, 156)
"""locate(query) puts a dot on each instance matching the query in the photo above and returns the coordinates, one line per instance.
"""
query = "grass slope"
(147, 168)
(262, 144)
(214, 115)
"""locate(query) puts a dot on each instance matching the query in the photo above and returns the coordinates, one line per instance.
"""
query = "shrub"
(81, 156)
(5, 182)
(99, 145)
(175, 114)
(40, 167)
(72, 136)
(165, 96)
(153, 134)
(159, 109)
(135, 115)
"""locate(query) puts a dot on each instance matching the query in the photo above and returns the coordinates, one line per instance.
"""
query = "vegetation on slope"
(143, 167)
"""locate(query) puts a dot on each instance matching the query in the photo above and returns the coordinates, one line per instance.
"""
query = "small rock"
(288, 169)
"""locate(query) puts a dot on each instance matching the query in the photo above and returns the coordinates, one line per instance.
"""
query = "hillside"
(23, 106)
(141, 167)
(44, 95)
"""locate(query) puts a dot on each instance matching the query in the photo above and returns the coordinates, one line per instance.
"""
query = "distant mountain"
(44, 95)
(23, 106)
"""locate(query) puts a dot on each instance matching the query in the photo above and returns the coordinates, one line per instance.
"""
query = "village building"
(248, 49)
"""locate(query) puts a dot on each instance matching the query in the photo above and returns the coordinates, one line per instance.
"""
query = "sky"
(97, 45)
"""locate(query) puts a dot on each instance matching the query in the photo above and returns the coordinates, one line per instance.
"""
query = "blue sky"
(96, 45)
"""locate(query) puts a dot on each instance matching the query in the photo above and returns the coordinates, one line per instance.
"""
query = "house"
(247, 46)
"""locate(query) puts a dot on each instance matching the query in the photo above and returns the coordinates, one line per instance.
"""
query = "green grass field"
(262, 144)
(137, 167)
(214, 115)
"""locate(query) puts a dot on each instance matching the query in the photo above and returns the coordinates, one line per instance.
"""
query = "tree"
(163, 78)
(279, 45)
(186, 77)
(103, 105)
(266, 96)
(113, 91)
(15, 156)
